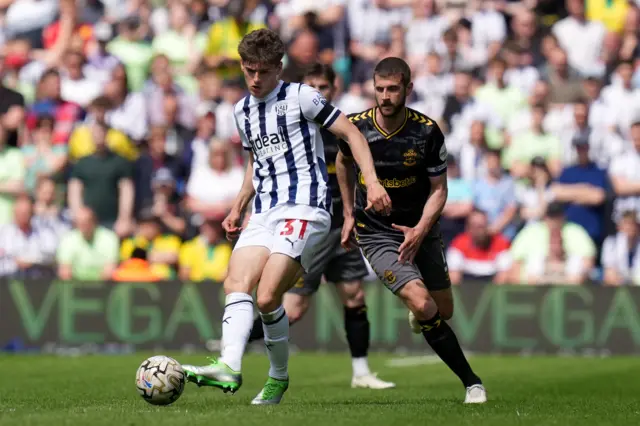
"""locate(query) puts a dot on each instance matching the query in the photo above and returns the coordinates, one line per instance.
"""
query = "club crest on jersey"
(410, 158)
(281, 108)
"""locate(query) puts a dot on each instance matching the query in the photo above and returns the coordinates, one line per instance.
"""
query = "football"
(160, 380)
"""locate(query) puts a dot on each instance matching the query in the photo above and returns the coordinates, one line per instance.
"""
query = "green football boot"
(216, 374)
(272, 392)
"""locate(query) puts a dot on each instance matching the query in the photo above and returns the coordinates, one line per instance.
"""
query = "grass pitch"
(100, 390)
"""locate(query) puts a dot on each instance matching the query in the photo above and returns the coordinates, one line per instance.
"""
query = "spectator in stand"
(167, 205)
(27, 248)
(598, 110)
(622, 100)
(472, 166)
(301, 54)
(624, 173)
(478, 255)
(89, 251)
(583, 56)
(552, 251)
(459, 203)
(177, 134)
(206, 257)
(182, 45)
(103, 182)
(526, 35)
(12, 110)
(620, 252)
(566, 85)
(41, 158)
(197, 151)
(494, 193)
(520, 73)
(47, 209)
(132, 51)
(534, 194)
(611, 13)
(233, 90)
(160, 87)
(81, 143)
(128, 112)
(504, 100)
(153, 159)
(76, 86)
(12, 173)
(212, 189)
(225, 35)
(583, 187)
(534, 143)
(50, 103)
(101, 63)
(162, 249)
(136, 269)
(603, 146)
(424, 31)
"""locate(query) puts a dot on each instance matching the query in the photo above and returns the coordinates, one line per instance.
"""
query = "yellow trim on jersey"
(395, 132)
(420, 118)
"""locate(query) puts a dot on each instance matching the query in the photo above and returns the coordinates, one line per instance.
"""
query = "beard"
(396, 109)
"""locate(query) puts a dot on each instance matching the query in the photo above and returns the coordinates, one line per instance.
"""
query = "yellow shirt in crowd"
(224, 38)
(205, 262)
(612, 13)
(81, 144)
(163, 244)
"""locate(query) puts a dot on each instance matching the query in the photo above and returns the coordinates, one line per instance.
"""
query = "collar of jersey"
(395, 132)
(271, 94)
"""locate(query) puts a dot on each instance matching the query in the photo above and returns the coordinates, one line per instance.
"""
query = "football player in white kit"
(279, 124)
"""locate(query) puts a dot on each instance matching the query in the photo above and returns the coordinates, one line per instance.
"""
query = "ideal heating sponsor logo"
(268, 145)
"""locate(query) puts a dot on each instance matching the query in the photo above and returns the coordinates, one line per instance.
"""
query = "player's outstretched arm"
(231, 223)
(377, 196)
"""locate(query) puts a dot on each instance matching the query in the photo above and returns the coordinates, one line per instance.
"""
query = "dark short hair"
(321, 70)
(139, 253)
(261, 47)
(51, 72)
(629, 215)
(391, 66)
(555, 210)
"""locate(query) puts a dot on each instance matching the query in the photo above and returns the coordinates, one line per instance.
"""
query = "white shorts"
(290, 229)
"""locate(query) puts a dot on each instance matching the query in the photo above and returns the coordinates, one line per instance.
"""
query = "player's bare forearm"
(346, 176)
(435, 203)
(247, 191)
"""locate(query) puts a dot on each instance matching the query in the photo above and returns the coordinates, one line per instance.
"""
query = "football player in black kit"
(345, 269)
(405, 248)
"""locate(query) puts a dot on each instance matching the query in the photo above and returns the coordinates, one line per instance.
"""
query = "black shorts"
(429, 265)
(334, 262)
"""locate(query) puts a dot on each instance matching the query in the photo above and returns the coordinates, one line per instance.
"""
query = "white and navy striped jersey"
(283, 131)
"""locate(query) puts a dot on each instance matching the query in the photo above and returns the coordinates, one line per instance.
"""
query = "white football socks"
(236, 326)
(276, 338)
(360, 366)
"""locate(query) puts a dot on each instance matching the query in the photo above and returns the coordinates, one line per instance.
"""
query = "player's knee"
(444, 301)
(446, 311)
(267, 302)
(354, 297)
(418, 300)
(295, 309)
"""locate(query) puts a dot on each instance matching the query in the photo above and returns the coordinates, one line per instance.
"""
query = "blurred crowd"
(119, 155)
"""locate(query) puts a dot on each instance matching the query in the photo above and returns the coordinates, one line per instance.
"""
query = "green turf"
(100, 390)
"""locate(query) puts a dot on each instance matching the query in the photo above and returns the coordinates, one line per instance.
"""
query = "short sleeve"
(455, 259)
(504, 261)
(436, 153)
(618, 166)
(243, 137)
(315, 107)
(185, 257)
(126, 169)
(578, 241)
(520, 248)
(126, 249)
(609, 253)
(111, 248)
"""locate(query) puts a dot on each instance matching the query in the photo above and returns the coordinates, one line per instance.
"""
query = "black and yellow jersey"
(330, 153)
(404, 160)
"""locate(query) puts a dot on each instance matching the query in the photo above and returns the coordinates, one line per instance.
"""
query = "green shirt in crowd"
(100, 176)
(88, 258)
(12, 168)
(533, 241)
(136, 57)
(529, 145)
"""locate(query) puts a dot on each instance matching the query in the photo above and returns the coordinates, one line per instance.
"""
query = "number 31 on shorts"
(294, 226)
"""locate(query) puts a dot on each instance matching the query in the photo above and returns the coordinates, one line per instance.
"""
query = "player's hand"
(230, 225)
(412, 240)
(346, 236)
(378, 199)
